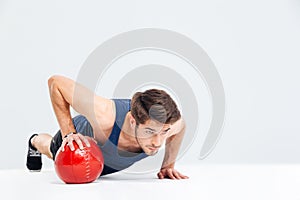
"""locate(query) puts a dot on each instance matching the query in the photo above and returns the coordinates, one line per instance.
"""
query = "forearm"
(172, 148)
(61, 107)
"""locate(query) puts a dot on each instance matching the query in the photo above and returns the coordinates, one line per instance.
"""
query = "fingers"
(94, 141)
(63, 144)
(78, 141)
(78, 138)
(176, 175)
(181, 176)
(171, 173)
(69, 141)
(160, 175)
(85, 140)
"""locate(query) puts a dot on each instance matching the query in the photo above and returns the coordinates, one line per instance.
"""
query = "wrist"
(70, 133)
(165, 166)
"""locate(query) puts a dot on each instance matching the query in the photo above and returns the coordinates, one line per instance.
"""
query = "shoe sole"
(38, 170)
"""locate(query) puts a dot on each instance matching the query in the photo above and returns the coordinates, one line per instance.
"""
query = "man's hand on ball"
(78, 138)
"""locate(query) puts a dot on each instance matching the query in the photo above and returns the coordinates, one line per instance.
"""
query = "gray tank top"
(114, 159)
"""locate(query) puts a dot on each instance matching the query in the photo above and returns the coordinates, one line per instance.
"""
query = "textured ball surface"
(79, 166)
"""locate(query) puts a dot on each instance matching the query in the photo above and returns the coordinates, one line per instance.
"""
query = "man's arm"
(61, 99)
(172, 147)
(64, 93)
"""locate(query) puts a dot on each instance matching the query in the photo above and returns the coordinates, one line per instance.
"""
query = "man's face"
(151, 136)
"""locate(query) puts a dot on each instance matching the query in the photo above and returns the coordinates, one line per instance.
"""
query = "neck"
(127, 139)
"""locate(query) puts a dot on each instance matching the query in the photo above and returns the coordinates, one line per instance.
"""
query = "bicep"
(80, 98)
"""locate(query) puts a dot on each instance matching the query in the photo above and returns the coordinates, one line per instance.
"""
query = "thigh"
(55, 144)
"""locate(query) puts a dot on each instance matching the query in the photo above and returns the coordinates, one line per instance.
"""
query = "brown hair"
(154, 104)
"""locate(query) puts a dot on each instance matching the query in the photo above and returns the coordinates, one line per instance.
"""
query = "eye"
(149, 132)
(164, 132)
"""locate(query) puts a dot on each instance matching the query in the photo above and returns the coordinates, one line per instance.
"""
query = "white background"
(254, 44)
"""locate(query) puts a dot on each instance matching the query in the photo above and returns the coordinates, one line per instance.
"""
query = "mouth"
(153, 148)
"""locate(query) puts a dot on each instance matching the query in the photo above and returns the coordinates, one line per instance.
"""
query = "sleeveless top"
(114, 159)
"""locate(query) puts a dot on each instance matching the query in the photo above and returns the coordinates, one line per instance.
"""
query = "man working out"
(126, 130)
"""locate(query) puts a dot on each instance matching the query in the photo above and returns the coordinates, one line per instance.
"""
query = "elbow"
(52, 82)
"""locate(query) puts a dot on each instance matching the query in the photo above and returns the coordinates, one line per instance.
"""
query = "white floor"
(211, 182)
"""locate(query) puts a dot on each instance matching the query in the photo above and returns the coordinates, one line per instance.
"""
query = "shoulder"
(178, 127)
(104, 110)
(103, 118)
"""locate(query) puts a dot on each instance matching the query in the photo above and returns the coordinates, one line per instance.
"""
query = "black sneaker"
(34, 157)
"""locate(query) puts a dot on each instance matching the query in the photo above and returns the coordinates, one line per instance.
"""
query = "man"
(126, 130)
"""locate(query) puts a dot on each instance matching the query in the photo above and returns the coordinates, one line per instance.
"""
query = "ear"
(132, 121)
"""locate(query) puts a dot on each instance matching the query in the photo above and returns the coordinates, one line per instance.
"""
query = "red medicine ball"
(79, 166)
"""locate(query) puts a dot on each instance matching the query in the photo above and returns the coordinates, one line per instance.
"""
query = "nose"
(156, 140)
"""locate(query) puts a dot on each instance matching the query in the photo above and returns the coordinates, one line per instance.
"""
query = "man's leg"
(42, 143)
(38, 144)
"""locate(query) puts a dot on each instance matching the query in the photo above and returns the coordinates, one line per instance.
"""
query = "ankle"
(33, 142)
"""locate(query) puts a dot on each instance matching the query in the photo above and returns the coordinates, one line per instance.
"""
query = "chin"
(151, 153)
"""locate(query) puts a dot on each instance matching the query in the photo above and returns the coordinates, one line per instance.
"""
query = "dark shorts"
(81, 125)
